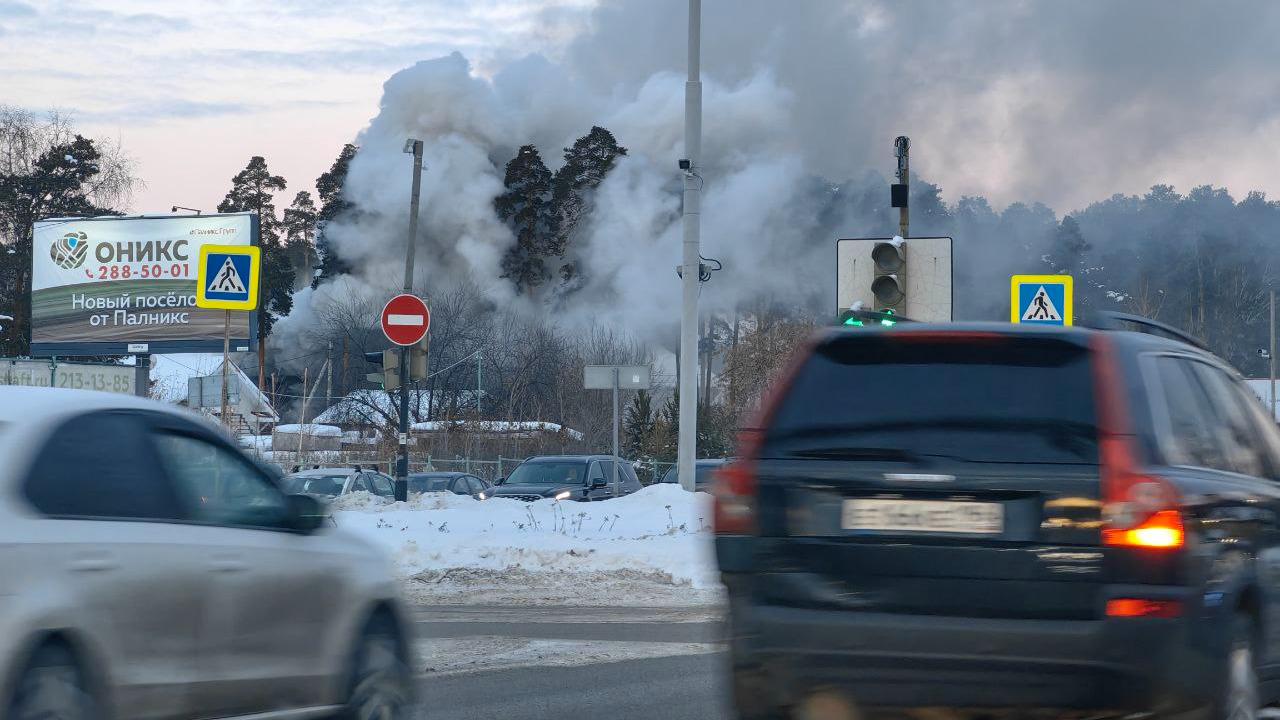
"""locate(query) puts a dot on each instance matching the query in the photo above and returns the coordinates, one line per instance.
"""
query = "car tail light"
(1138, 510)
(736, 484)
(1137, 607)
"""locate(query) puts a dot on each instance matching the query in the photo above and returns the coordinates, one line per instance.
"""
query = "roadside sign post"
(615, 378)
(405, 322)
(227, 279)
(1042, 300)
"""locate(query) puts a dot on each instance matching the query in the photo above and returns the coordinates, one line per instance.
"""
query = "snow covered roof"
(311, 429)
(372, 407)
(496, 426)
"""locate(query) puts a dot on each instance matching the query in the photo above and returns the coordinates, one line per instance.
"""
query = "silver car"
(148, 569)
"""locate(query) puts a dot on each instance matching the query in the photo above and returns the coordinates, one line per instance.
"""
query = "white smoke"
(752, 182)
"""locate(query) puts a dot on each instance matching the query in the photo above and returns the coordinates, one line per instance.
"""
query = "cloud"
(14, 9)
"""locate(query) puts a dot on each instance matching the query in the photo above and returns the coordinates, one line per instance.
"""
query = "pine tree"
(526, 208)
(332, 205)
(585, 166)
(252, 191)
(638, 425)
(46, 170)
(300, 234)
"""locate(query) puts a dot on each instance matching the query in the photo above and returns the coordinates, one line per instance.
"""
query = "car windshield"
(330, 485)
(428, 483)
(567, 472)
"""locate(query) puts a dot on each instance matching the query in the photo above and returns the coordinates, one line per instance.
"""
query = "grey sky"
(1060, 102)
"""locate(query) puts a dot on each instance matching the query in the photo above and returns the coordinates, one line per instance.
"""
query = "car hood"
(545, 491)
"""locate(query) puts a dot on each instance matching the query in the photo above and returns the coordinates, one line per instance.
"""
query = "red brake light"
(1138, 510)
(736, 485)
(1136, 607)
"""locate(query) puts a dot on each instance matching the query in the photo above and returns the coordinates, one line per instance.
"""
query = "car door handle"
(94, 563)
(229, 565)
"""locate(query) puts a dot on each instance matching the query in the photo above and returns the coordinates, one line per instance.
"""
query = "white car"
(326, 484)
(149, 569)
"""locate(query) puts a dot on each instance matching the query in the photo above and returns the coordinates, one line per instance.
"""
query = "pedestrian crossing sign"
(227, 277)
(1041, 299)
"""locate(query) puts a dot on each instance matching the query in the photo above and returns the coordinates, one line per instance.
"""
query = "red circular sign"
(405, 320)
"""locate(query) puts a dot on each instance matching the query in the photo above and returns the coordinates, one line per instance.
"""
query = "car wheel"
(52, 686)
(1240, 687)
(379, 680)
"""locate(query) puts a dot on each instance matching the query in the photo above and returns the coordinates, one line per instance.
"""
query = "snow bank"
(495, 426)
(313, 430)
(652, 547)
(261, 443)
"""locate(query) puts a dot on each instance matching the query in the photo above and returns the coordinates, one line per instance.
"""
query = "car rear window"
(981, 399)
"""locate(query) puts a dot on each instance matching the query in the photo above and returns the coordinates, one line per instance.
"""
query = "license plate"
(932, 516)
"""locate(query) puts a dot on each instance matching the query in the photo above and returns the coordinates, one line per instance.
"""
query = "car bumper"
(885, 660)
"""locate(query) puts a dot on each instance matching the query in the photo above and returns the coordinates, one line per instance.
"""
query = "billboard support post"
(142, 376)
(226, 358)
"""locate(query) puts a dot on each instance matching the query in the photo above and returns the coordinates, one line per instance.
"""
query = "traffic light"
(889, 285)
(868, 318)
(389, 360)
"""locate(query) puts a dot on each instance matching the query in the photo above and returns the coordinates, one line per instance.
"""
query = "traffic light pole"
(903, 146)
(692, 257)
(402, 463)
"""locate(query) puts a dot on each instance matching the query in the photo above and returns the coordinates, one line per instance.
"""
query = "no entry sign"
(405, 320)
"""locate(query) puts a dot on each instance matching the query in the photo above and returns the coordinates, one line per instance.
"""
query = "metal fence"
(649, 472)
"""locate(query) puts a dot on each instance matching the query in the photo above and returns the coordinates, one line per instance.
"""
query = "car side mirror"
(306, 514)
(598, 482)
(499, 481)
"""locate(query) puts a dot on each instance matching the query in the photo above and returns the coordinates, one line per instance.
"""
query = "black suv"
(567, 477)
(994, 520)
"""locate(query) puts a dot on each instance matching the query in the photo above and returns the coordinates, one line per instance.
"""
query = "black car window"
(1243, 449)
(985, 398)
(1192, 439)
(1268, 432)
(219, 484)
(100, 465)
(382, 485)
(474, 485)
(548, 472)
(633, 482)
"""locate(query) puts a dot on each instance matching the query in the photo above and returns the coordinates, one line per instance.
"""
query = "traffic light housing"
(889, 286)
(389, 361)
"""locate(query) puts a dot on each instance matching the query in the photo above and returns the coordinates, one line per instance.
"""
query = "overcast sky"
(1059, 102)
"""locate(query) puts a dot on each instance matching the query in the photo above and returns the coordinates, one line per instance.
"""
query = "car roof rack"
(1116, 321)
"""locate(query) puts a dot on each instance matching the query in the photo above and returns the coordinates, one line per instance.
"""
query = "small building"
(307, 438)
(248, 408)
(493, 438)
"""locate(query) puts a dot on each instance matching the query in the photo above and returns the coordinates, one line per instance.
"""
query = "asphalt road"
(671, 688)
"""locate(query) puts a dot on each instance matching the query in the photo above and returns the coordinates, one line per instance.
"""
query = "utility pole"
(328, 379)
(691, 269)
(402, 463)
(902, 148)
(479, 357)
(1272, 359)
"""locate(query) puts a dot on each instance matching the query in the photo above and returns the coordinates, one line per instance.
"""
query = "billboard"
(117, 285)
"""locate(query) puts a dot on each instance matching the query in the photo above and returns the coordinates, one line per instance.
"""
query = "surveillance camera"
(684, 164)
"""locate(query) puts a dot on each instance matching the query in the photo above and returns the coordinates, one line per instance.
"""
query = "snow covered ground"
(455, 656)
(646, 549)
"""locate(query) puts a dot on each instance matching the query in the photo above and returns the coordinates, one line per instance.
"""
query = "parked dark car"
(996, 520)
(703, 470)
(568, 477)
(458, 483)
